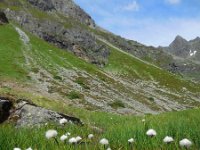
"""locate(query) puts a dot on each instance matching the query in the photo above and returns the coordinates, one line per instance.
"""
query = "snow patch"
(192, 53)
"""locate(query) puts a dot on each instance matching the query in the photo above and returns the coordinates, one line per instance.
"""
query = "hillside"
(120, 82)
(55, 58)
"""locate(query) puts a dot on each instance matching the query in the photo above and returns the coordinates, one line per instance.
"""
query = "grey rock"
(27, 114)
(67, 8)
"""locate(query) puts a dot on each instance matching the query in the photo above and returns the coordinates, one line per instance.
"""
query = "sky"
(151, 22)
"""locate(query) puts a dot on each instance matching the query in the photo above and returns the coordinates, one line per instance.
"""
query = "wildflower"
(29, 148)
(104, 141)
(72, 140)
(151, 133)
(185, 143)
(78, 139)
(168, 139)
(63, 138)
(90, 136)
(17, 148)
(68, 134)
(51, 134)
(131, 140)
(63, 121)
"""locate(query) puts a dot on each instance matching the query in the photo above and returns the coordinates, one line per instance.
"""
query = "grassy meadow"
(117, 129)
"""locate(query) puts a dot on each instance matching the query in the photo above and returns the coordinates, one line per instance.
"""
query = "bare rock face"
(66, 7)
(3, 18)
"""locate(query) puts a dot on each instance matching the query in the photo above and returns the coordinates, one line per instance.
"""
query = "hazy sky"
(152, 22)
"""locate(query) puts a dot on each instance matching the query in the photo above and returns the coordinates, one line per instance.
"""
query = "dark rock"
(5, 106)
(67, 8)
(3, 18)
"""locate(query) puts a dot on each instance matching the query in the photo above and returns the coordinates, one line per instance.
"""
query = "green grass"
(117, 129)
(130, 68)
(12, 60)
(74, 95)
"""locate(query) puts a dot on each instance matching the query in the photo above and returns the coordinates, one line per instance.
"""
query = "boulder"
(27, 114)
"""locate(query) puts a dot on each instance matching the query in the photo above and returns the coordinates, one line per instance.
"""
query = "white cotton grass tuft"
(104, 141)
(90, 136)
(16, 148)
(108, 148)
(63, 121)
(143, 120)
(63, 138)
(185, 143)
(78, 139)
(151, 133)
(29, 148)
(168, 139)
(131, 140)
(72, 140)
(51, 134)
(68, 134)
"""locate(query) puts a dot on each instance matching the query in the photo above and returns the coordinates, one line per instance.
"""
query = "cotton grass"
(130, 141)
(168, 139)
(104, 141)
(17, 148)
(51, 134)
(90, 136)
(185, 143)
(63, 121)
(63, 138)
(151, 133)
(72, 140)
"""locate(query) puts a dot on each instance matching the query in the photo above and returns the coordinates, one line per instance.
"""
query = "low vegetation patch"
(74, 95)
(82, 82)
(117, 104)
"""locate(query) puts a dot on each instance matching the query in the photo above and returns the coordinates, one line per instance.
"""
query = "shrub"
(81, 81)
(117, 104)
(57, 77)
(151, 99)
(74, 95)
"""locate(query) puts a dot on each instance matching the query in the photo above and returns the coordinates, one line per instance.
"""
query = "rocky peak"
(65, 7)
(179, 47)
(179, 41)
(196, 40)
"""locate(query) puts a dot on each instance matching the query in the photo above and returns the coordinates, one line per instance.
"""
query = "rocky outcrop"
(3, 18)
(24, 113)
(66, 7)
(28, 114)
